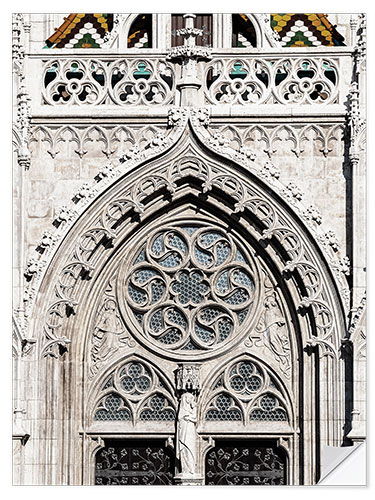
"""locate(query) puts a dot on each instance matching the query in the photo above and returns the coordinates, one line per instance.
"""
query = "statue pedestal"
(189, 480)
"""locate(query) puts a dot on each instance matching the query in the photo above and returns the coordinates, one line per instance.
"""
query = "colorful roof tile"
(88, 30)
(305, 30)
(81, 31)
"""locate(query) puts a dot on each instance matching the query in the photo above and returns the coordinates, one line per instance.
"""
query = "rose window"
(189, 288)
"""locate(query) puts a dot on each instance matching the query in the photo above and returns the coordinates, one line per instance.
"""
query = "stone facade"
(187, 224)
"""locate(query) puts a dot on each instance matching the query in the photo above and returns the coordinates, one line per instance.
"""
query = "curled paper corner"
(344, 465)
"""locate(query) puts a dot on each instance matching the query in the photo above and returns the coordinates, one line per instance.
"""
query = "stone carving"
(274, 333)
(311, 140)
(244, 198)
(256, 81)
(188, 378)
(111, 36)
(107, 333)
(22, 127)
(65, 215)
(92, 81)
(312, 214)
(283, 139)
(329, 238)
(134, 391)
(48, 240)
(325, 348)
(272, 36)
(269, 170)
(293, 192)
(238, 391)
(356, 123)
(360, 41)
(18, 50)
(186, 434)
(84, 193)
(107, 171)
(32, 268)
(189, 287)
(344, 266)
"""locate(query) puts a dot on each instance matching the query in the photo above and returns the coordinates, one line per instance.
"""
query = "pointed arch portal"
(189, 258)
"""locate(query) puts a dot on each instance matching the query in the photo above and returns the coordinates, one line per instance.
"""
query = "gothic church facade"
(189, 247)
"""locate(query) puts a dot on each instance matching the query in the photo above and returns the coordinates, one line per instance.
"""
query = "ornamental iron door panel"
(124, 462)
(245, 463)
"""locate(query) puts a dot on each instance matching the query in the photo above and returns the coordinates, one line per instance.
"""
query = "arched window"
(140, 33)
(243, 32)
(201, 21)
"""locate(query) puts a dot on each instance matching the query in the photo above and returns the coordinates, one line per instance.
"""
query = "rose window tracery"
(189, 287)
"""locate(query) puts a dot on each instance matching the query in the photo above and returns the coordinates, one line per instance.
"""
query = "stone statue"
(186, 433)
(107, 331)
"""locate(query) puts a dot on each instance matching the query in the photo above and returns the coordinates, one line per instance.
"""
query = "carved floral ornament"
(92, 244)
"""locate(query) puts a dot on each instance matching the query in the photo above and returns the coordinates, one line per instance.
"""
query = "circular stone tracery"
(189, 288)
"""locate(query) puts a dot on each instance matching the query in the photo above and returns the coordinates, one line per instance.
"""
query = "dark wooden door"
(245, 463)
(143, 462)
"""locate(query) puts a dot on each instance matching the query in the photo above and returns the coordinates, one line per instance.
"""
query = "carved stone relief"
(272, 332)
(109, 335)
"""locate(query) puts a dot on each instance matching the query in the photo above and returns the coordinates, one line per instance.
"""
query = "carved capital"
(28, 346)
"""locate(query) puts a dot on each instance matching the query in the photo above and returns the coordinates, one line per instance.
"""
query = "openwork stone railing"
(287, 79)
(292, 80)
(94, 81)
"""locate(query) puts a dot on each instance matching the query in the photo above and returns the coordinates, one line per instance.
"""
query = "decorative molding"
(117, 141)
(22, 127)
(300, 140)
(18, 49)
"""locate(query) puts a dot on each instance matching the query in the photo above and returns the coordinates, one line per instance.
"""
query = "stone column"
(190, 82)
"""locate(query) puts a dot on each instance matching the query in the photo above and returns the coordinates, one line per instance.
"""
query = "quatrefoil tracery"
(190, 287)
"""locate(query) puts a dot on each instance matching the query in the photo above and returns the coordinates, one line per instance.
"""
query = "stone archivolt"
(244, 198)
